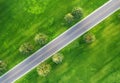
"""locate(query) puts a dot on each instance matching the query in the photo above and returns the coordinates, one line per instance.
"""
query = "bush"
(77, 12)
(41, 39)
(69, 18)
(57, 58)
(43, 69)
(26, 48)
(89, 37)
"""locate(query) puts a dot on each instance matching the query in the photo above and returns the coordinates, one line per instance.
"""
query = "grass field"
(83, 63)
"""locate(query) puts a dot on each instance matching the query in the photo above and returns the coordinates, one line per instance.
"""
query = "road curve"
(61, 41)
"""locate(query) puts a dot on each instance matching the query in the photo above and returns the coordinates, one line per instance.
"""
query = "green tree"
(26, 48)
(77, 12)
(41, 39)
(3, 66)
(69, 18)
(89, 37)
(57, 58)
(44, 69)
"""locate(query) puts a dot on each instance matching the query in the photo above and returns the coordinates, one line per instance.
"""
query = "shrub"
(77, 12)
(43, 69)
(89, 37)
(26, 48)
(69, 18)
(57, 58)
(41, 39)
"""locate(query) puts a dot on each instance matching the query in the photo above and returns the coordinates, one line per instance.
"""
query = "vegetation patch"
(35, 6)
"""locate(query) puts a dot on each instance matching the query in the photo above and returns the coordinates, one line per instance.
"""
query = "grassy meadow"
(87, 63)
(98, 62)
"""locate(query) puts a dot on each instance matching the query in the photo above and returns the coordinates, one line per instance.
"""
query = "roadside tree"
(77, 12)
(26, 48)
(57, 58)
(41, 39)
(44, 69)
(89, 37)
(69, 18)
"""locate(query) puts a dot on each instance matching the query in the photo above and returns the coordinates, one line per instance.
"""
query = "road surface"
(61, 41)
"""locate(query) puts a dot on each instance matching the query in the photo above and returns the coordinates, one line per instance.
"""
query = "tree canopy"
(89, 37)
(69, 18)
(57, 58)
(77, 12)
(44, 69)
(41, 39)
(26, 48)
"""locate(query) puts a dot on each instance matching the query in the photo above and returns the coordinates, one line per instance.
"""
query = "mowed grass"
(84, 63)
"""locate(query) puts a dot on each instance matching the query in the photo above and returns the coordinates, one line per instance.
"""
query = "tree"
(89, 37)
(57, 58)
(69, 18)
(44, 69)
(3, 66)
(26, 48)
(41, 39)
(77, 12)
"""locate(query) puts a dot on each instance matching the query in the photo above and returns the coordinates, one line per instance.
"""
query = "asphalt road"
(61, 41)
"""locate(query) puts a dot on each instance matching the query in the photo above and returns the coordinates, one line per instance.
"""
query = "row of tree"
(75, 14)
(27, 48)
(44, 68)
(41, 39)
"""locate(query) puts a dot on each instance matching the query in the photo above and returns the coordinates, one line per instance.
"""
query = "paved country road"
(61, 41)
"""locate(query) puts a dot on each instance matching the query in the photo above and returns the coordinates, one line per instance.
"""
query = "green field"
(84, 63)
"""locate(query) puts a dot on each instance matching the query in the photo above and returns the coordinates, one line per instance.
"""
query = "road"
(61, 41)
